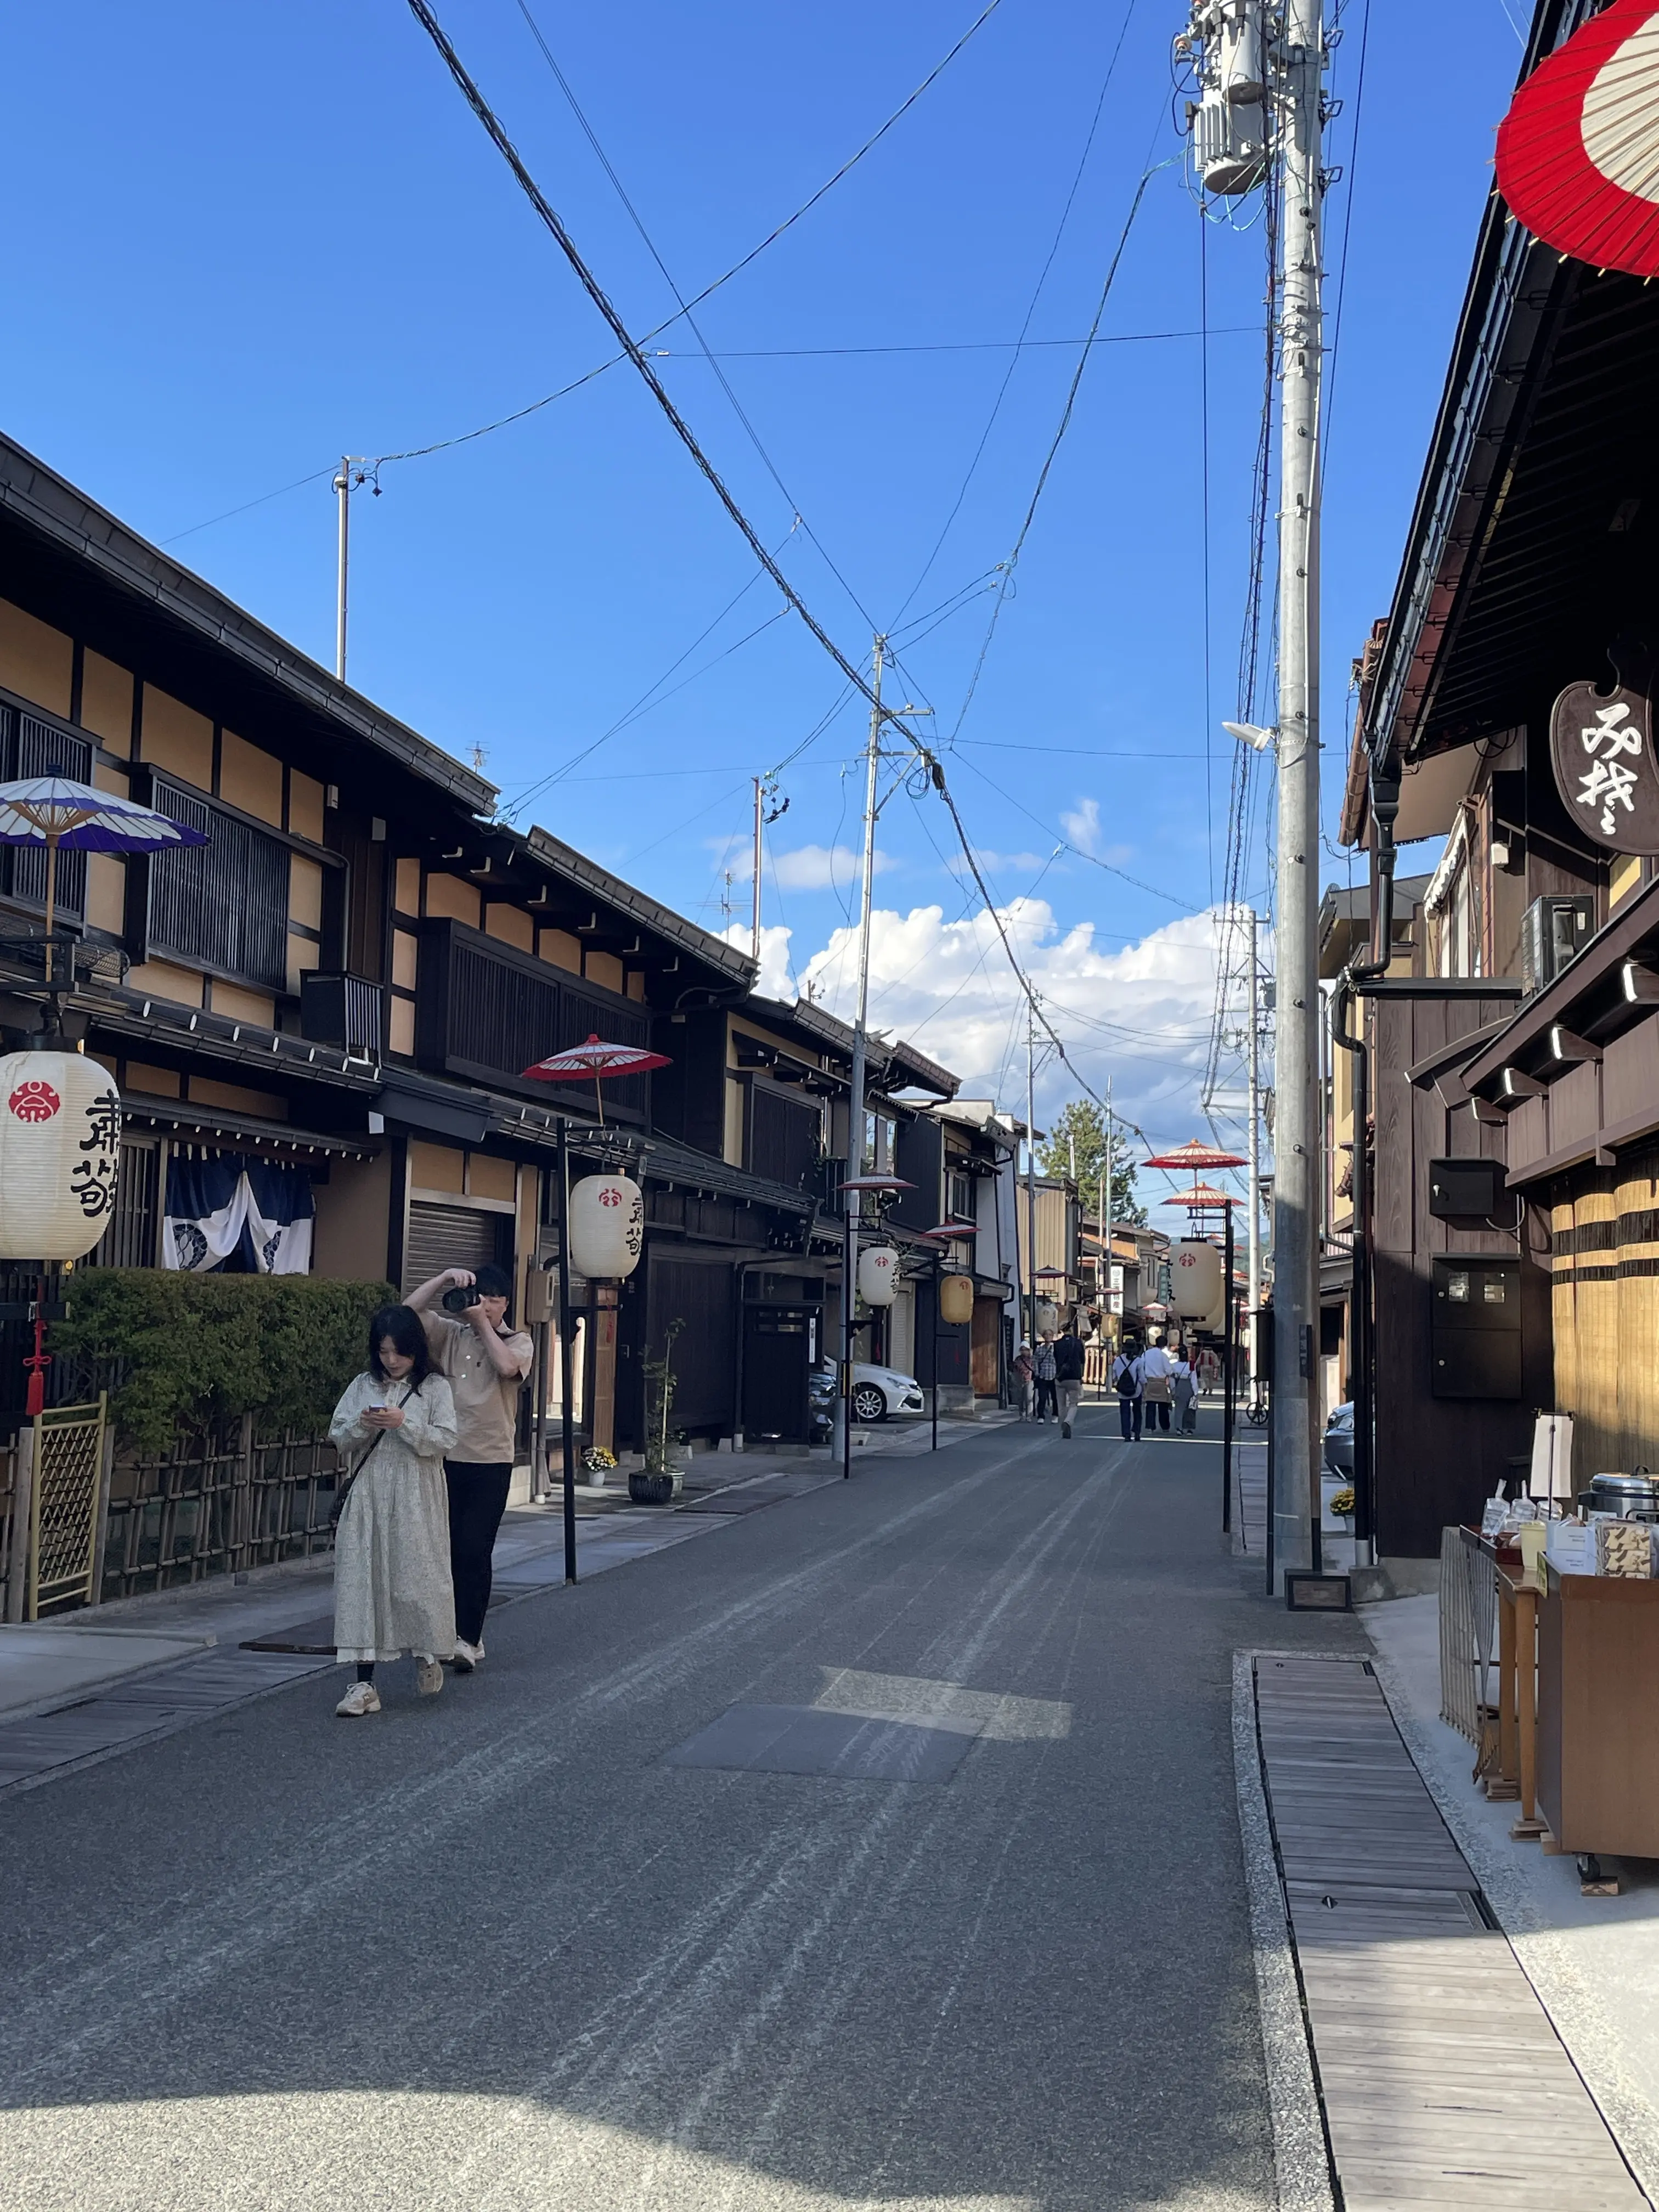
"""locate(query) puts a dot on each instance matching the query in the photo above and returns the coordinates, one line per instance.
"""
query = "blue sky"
(245, 240)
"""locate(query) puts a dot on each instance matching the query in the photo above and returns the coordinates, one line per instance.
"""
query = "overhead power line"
(533, 191)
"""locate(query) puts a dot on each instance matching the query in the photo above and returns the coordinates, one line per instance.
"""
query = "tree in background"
(1081, 1126)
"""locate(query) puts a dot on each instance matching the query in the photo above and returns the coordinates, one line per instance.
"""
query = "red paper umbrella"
(1202, 1197)
(1578, 151)
(597, 1059)
(1198, 1157)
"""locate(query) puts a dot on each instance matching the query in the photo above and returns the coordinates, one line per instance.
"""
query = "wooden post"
(1526, 1710)
(106, 1483)
(22, 1521)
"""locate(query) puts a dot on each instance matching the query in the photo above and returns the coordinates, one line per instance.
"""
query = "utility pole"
(849, 1258)
(1030, 1172)
(1254, 1147)
(1257, 71)
(1296, 1122)
(1106, 1200)
(342, 493)
(755, 937)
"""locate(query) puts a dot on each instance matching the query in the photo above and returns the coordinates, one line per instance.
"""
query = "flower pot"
(645, 1489)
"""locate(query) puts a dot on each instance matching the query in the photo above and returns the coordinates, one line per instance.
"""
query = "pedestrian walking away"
(1156, 1369)
(485, 1361)
(1027, 1374)
(1126, 1382)
(392, 1591)
(1184, 1384)
(1068, 1376)
(1043, 1361)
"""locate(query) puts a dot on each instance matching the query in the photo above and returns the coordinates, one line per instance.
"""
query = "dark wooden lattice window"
(34, 747)
(224, 904)
(786, 1137)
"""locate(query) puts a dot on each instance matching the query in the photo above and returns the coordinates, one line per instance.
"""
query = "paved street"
(504, 1950)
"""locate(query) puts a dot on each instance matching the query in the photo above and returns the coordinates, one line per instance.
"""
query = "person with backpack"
(1068, 1376)
(1044, 1365)
(1126, 1382)
(392, 1591)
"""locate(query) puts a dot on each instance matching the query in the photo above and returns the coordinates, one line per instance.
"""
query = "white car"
(879, 1391)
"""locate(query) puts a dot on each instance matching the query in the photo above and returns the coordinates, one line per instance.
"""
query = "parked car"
(878, 1392)
(1338, 1441)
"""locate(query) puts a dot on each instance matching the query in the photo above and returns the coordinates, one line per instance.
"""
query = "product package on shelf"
(1625, 1548)
(1570, 1547)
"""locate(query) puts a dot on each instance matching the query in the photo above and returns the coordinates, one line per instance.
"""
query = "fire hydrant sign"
(1601, 747)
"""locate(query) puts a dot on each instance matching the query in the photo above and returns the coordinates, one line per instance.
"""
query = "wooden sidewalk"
(1443, 2080)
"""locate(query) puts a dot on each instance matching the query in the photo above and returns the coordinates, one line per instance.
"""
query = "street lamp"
(887, 1189)
(945, 1233)
(1252, 734)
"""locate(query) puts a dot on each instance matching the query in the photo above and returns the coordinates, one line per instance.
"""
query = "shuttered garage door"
(442, 1236)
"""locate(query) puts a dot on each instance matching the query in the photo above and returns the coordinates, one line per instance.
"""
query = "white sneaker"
(362, 1698)
(429, 1677)
(467, 1656)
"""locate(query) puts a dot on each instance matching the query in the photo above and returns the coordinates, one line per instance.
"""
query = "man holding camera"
(464, 1317)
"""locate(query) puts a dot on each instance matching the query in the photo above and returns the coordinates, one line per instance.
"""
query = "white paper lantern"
(1195, 1278)
(1047, 1317)
(879, 1267)
(607, 1227)
(956, 1299)
(60, 1149)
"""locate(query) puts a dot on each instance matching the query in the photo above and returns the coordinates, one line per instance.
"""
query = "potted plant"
(658, 1480)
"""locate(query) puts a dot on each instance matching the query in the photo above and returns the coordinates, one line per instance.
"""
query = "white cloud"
(822, 867)
(1140, 1015)
(776, 980)
(1082, 824)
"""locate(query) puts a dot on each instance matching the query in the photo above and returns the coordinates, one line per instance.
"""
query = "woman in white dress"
(392, 1591)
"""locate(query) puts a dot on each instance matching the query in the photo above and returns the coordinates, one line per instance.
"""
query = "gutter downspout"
(1385, 806)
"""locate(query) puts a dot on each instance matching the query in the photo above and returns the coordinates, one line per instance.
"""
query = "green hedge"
(181, 1354)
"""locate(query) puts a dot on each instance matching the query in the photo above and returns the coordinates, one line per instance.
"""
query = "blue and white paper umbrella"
(54, 811)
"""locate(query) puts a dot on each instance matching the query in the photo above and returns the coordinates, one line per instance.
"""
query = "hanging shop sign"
(607, 1226)
(60, 1148)
(1047, 1317)
(956, 1298)
(1579, 149)
(1601, 748)
(879, 1267)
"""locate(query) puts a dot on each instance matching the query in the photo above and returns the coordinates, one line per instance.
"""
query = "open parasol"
(597, 1059)
(55, 811)
(1578, 151)
(1200, 1157)
(1202, 1197)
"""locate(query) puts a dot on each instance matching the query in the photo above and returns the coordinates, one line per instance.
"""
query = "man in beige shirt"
(485, 1361)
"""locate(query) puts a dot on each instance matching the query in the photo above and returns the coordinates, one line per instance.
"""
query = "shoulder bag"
(345, 1488)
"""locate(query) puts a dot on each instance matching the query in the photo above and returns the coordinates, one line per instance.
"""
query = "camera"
(460, 1297)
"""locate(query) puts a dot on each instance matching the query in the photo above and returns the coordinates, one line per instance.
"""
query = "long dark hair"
(402, 1324)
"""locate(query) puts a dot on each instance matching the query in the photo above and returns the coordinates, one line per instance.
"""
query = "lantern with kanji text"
(60, 1150)
(607, 1227)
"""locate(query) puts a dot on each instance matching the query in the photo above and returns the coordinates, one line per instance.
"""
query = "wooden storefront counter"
(1598, 1714)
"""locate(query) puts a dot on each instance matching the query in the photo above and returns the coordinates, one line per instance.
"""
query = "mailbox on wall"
(1474, 1334)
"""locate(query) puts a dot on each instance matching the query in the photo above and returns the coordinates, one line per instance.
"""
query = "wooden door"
(986, 1327)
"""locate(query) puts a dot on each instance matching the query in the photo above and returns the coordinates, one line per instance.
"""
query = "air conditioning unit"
(1552, 931)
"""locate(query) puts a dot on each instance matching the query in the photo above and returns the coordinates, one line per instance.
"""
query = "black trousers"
(477, 1499)
(1048, 1399)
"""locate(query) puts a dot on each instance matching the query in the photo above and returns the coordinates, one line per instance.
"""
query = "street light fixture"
(1251, 734)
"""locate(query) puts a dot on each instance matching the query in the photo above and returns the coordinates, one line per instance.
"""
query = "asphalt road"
(497, 1951)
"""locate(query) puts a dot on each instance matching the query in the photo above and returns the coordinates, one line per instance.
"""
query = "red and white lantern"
(607, 1227)
(60, 1151)
(879, 1271)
